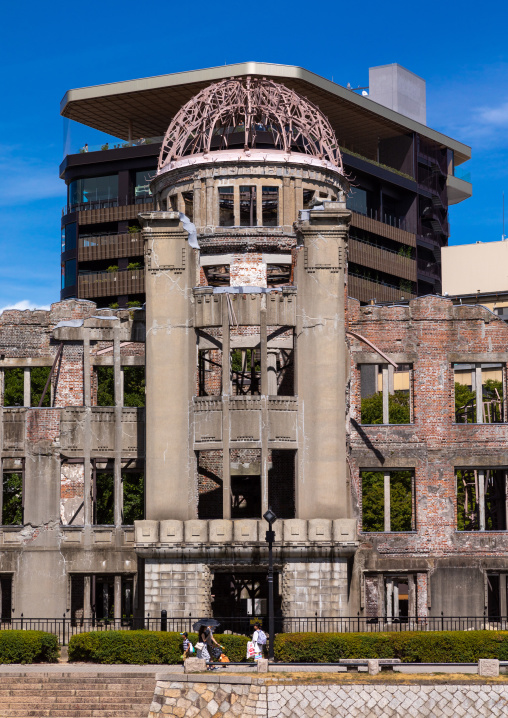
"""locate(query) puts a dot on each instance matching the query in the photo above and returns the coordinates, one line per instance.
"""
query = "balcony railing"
(92, 204)
(111, 246)
(118, 145)
(111, 284)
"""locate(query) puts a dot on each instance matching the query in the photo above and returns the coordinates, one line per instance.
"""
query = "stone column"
(118, 598)
(87, 603)
(171, 365)
(272, 371)
(323, 480)
(26, 387)
(389, 599)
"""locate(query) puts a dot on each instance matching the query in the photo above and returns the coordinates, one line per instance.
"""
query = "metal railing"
(66, 627)
(106, 203)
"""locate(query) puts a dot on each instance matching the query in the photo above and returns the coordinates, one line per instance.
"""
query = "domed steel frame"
(249, 106)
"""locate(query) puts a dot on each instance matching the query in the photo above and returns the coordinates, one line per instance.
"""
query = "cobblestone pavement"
(245, 697)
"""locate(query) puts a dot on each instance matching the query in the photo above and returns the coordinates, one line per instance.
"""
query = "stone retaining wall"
(222, 696)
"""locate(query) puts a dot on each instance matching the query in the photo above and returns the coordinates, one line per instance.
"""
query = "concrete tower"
(246, 356)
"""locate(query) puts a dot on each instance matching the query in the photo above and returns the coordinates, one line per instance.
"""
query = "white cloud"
(24, 304)
(24, 182)
(494, 116)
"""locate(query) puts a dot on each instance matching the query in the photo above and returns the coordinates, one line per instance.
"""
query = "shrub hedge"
(409, 646)
(28, 647)
(141, 647)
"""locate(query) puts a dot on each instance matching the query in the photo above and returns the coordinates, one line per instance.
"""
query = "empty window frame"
(397, 590)
(248, 206)
(245, 473)
(386, 394)
(479, 393)
(133, 492)
(133, 386)
(188, 204)
(281, 482)
(217, 275)
(210, 484)
(270, 206)
(105, 385)
(280, 368)
(278, 275)
(103, 493)
(388, 502)
(245, 372)
(103, 597)
(13, 485)
(13, 386)
(481, 499)
(209, 372)
(226, 207)
(39, 376)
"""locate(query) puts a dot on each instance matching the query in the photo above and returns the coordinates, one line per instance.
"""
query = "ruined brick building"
(377, 434)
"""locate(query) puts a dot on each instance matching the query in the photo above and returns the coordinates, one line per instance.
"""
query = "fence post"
(442, 621)
(164, 620)
(21, 621)
(316, 621)
(358, 619)
(484, 622)
(63, 631)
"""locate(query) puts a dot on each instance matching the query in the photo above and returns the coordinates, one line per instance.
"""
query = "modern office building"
(266, 387)
(403, 176)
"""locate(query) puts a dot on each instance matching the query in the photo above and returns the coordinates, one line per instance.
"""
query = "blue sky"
(458, 47)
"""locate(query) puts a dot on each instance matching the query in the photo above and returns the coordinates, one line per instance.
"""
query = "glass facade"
(69, 236)
(142, 186)
(357, 200)
(69, 273)
(93, 189)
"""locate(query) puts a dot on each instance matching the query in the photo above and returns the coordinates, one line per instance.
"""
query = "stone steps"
(73, 696)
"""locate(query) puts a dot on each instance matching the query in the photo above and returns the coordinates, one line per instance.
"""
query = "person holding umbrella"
(207, 647)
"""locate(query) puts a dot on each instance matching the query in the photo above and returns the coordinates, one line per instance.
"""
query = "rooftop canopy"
(249, 114)
(145, 107)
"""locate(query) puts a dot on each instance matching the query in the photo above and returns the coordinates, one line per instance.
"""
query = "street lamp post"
(270, 517)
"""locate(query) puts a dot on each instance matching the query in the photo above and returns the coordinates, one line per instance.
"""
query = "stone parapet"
(227, 695)
(245, 532)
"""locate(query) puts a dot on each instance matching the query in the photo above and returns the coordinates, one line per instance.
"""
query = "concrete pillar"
(117, 370)
(226, 390)
(387, 508)
(389, 599)
(479, 394)
(118, 598)
(171, 361)
(87, 602)
(411, 595)
(502, 594)
(481, 500)
(26, 387)
(323, 488)
(272, 371)
(386, 394)
(396, 606)
(87, 438)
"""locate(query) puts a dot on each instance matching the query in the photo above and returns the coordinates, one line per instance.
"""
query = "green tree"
(134, 386)
(12, 509)
(398, 408)
(133, 496)
(38, 378)
(105, 386)
(465, 404)
(373, 503)
(105, 498)
(13, 392)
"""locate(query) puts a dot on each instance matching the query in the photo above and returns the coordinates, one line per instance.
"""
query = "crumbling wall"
(431, 334)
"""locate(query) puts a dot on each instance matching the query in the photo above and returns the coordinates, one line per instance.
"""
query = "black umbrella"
(212, 622)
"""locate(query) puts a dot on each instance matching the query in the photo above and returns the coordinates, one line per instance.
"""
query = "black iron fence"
(66, 627)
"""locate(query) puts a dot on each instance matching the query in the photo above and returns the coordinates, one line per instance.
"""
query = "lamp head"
(270, 517)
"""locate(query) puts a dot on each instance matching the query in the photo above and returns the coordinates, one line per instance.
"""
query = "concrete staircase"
(107, 695)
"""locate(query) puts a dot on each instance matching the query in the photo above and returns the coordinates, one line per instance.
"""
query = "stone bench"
(374, 665)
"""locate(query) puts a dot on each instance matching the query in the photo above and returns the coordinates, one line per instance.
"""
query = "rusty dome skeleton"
(250, 106)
